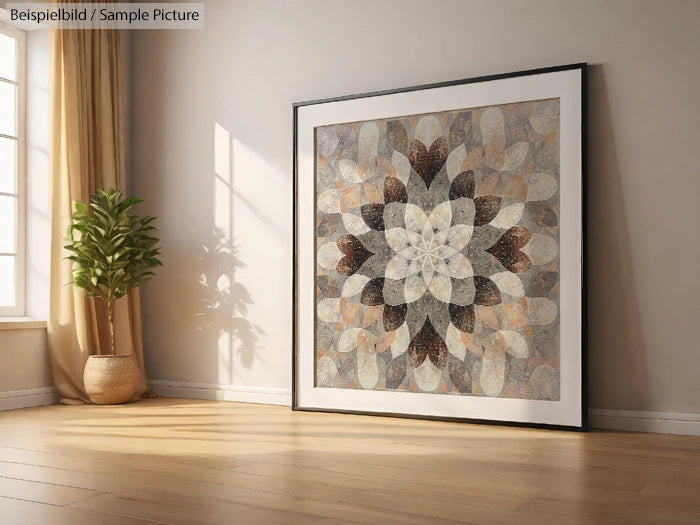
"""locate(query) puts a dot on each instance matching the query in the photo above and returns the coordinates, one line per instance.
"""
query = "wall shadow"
(616, 347)
(224, 304)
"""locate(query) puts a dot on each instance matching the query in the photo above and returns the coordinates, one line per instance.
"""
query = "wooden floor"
(199, 462)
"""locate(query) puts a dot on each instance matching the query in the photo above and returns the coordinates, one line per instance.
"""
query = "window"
(12, 162)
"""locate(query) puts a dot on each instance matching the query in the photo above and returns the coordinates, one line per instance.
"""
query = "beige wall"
(255, 58)
(26, 351)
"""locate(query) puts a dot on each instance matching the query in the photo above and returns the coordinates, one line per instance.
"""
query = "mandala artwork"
(437, 253)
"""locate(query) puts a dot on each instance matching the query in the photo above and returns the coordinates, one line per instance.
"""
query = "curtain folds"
(87, 152)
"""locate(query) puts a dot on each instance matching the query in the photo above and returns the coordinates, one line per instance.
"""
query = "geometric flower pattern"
(437, 253)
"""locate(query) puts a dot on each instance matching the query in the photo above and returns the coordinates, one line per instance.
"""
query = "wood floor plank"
(188, 462)
(412, 485)
(470, 514)
(623, 513)
(159, 487)
(201, 512)
(42, 492)
(17, 512)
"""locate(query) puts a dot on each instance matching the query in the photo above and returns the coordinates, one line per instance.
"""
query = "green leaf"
(111, 250)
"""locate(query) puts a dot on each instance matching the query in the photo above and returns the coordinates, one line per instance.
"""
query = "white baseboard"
(28, 397)
(627, 420)
(216, 392)
(643, 421)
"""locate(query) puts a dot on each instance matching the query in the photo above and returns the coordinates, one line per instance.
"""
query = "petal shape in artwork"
(427, 162)
(515, 156)
(402, 166)
(354, 284)
(508, 216)
(427, 344)
(396, 372)
(454, 162)
(418, 261)
(428, 130)
(328, 310)
(463, 291)
(493, 137)
(355, 254)
(541, 249)
(463, 211)
(492, 126)
(354, 224)
(441, 287)
(463, 185)
(541, 311)
(455, 345)
(540, 186)
(444, 252)
(545, 383)
(394, 292)
(397, 239)
(328, 224)
(459, 267)
(329, 255)
(396, 133)
(509, 283)
(372, 293)
(460, 377)
(545, 117)
(349, 171)
(351, 197)
(542, 214)
(401, 341)
(428, 271)
(373, 215)
(326, 372)
(487, 293)
(440, 219)
(394, 316)
(516, 345)
(427, 376)
(487, 316)
(394, 190)
(414, 287)
(460, 129)
(415, 219)
(411, 253)
(493, 370)
(367, 370)
(541, 284)
(507, 249)
(348, 340)
(368, 140)
(459, 236)
(487, 209)
(463, 317)
(326, 140)
(328, 286)
(397, 268)
(329, 201)
(487, 185)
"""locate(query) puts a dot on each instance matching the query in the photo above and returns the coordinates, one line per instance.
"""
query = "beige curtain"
(87, 152)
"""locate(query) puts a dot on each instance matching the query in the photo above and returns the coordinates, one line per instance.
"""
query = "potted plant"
(112, 252)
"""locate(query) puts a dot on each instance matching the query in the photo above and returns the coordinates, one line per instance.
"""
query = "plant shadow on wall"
(225, 302)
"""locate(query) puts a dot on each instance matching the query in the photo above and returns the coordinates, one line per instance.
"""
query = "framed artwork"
(439, 251)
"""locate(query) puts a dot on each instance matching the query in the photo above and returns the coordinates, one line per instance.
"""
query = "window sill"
(20, 323)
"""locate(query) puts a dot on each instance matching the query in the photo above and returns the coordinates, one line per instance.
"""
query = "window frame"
(19, 309)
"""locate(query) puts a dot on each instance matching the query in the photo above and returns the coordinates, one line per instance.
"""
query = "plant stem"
(110, 313)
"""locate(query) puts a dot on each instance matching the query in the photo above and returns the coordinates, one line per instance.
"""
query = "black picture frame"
(296, 107)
